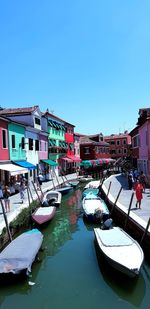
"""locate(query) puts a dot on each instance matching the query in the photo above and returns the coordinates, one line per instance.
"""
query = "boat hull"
(52, 198)
(65, 190)
(125, 258)
(94, 208)
(44, 215)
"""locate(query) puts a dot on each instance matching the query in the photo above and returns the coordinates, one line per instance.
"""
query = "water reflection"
(129, 289)
(64, 224)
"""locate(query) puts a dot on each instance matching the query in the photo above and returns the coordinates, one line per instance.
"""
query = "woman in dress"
(138, 191)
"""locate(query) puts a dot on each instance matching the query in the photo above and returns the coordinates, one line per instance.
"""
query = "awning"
(13, 169)
(50, 162)
(74, 158)
(86, 163)
(67, 159)
(26, 164)
(96, 162)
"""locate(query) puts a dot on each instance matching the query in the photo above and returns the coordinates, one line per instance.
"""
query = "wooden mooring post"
(6, 222)
(116, 199)
(130, 204)
(109, 189)
(52, 179)
(30, 193)
(145, 232)
(36, 192)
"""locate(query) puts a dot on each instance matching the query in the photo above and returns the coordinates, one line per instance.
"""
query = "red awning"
(67, 159)
(74, 158)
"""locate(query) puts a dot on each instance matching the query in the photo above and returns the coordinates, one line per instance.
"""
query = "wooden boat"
(43, 215)
(52, 198)
(20, 254)
(94, 208)
(120, 250)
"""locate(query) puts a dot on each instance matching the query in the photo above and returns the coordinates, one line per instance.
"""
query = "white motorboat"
(85, 178)
(94, 208)
(93, 184)
(120, 250)
(52, 198)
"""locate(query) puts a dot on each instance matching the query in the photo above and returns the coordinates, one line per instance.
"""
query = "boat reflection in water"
(131, 290)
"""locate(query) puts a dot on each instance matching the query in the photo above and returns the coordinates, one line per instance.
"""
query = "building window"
(124, 150)
(45, 146)
(86, 150)
(112, 142)
(136, 141)
(124, 141)
(30, 144)
(4, 141)
(22, 142)
(118, 143)
(37, 145)
(37, 121)
(40, 146)
(13, 141)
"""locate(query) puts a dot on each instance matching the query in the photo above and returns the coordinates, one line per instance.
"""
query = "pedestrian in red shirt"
(138, 191)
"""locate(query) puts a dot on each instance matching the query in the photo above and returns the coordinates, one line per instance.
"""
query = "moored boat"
(93, 184)
(65, 189)
(85, 178)
(94, 208)
(120, 250)
(20, 254)
(43, 215)
(52, 198)
(73, 183)
(94, 191)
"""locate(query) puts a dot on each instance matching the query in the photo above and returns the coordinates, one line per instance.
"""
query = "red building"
(69, 138)
(4, 147)
(92, 150)
(120, 145)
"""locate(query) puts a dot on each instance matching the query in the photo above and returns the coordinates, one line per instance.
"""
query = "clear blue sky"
(86, 60)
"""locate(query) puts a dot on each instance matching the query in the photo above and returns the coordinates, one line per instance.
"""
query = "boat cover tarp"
(44, 211)
(21, 252)
(114, 237)
(91, 203)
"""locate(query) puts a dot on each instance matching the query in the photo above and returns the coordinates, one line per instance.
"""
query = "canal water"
(71, 273)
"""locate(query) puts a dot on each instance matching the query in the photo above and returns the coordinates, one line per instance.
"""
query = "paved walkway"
(124, 199)
(15, 201)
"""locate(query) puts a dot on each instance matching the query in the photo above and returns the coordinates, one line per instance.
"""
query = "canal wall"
(134, 221)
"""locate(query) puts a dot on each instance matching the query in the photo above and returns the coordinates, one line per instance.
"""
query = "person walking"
(6, 195)
(130, 180)
(40, 179)
(138, 188)
(22, 189)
